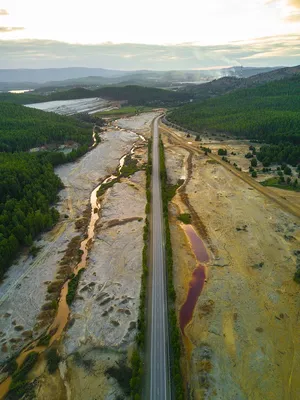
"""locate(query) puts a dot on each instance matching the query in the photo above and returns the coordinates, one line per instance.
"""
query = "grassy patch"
(103, 188)
(274, 182)
(212, 162)
(185, 218)
(129, 167)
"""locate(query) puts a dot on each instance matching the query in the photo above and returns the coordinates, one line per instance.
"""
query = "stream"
(63, 310)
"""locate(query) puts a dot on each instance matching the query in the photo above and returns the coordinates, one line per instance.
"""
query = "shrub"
(287, 170)
(297, 276)
(19, 385)
(44, 340)
(254, 162)
(53, 360)
(254, 174)
(72, 287)
(11, 366)
(185, 218)
(222, 152)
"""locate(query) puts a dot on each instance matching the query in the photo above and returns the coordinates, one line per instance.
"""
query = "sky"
(161, 34)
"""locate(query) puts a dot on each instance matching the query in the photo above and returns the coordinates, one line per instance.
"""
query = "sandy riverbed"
(24, 289)
(104, 314)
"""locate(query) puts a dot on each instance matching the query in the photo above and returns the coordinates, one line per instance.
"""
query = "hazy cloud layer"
(294, 17)
(4, 29)
(268, 51)
(294, 3)
(3, 12)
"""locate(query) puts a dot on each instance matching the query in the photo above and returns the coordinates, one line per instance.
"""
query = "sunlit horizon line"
(166, 44)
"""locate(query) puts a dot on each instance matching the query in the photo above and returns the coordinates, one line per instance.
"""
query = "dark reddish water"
(196, 286)
(198, 277)
(197, 244)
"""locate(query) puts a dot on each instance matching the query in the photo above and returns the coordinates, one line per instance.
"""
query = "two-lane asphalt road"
(159, 368)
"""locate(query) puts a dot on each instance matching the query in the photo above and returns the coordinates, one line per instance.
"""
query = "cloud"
(3, 12)
(294, 17)
(294, 3)
(5, 29)
(265, 51)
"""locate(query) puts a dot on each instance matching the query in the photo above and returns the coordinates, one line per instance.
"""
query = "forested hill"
(22, 128)
(228, 84)
(134, 94)
(140, 95)
(268, 113)
(28, 184)
(28, 187)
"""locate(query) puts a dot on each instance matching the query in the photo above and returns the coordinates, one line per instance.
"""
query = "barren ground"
(242, 342)
(104, 314)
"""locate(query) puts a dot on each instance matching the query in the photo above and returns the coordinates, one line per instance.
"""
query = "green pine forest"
(134, 94)
(268, 113)
(28, 184)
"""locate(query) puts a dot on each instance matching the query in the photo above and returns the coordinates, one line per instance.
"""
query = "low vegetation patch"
(222, 152)
(123, 375)
(282, 183)
(129, 167)
(34, 250)
(72, 286)
(44, 340)
(185, 218)
(53, 360)
(20, 385)
(104, 186)
(297, 276)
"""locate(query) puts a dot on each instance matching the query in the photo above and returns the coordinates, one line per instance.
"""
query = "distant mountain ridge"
(228, 84)
(55, 77)
(55, 74)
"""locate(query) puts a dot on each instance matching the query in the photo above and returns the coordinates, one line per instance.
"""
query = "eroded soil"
(242, 342)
